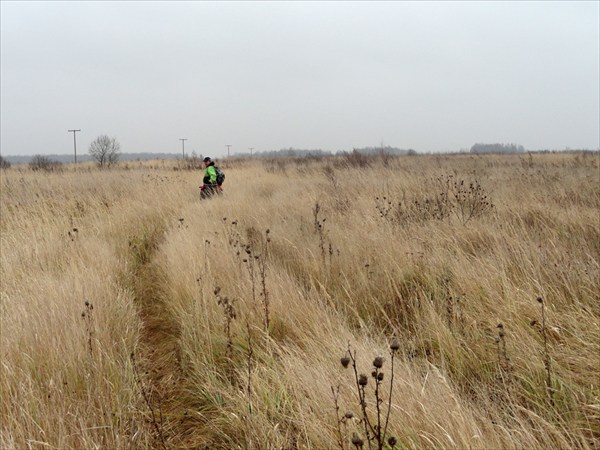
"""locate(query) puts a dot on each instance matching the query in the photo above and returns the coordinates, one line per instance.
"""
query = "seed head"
(540, 300)
(362, 379)
(349, 415)
(345, 360)
(380, 376)
(392, 441)
(395, 345)
(357, 441)
(378, 362)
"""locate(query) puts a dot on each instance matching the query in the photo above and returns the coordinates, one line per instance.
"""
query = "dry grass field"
(461, 291)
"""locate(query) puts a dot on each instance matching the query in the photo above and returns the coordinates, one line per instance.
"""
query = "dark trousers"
(209, 190)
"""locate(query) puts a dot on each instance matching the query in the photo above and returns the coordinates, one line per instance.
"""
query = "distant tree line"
(68, 158)
(497, 148)
(105, 151)
(292, 152)
(386, 150)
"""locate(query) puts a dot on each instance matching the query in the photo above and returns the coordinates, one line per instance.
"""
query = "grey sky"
(433, 76)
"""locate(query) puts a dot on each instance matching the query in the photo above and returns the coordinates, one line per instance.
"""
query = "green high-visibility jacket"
(210, 175)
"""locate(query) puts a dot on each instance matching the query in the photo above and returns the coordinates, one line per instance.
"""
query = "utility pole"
(74, 143)
(183, 146)
(227, 150)
(251, 148)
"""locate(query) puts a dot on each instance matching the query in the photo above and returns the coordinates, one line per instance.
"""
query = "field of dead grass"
(134, 315)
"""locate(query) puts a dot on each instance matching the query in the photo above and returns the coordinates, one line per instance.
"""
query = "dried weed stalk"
(229, 315)
(88, 318)
(156, 418)
(375, 424)
(547, 360)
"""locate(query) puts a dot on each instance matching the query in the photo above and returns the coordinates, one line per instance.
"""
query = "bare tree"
(105, 150)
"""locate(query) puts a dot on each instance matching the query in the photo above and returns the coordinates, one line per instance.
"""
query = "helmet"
(207, 159)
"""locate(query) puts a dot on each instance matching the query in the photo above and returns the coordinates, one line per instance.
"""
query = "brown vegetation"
(464, 289)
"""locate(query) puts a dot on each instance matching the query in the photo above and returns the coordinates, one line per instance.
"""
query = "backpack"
(220, 176)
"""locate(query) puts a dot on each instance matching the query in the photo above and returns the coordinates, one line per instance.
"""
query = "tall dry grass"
(221, 324)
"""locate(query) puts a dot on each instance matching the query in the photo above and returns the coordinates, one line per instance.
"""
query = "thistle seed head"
(345, 360)
(378, 362)
(356, 440)
(362, 379)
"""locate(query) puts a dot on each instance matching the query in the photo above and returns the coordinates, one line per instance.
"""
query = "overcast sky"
(432, 76)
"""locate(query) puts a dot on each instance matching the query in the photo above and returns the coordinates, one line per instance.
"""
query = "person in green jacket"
(210, 179)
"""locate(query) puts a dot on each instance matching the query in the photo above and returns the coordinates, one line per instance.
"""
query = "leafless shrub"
(416, 211)
(39, 162)
(469, 198)
(451, 197)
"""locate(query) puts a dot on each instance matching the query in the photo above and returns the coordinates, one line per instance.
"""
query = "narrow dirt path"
(158, 360)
